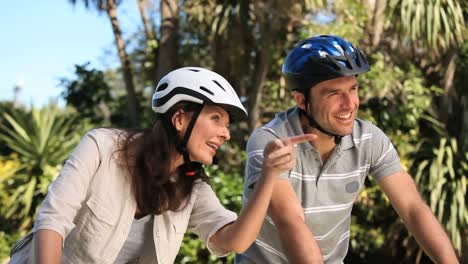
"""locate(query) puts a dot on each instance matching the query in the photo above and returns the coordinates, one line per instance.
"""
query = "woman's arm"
(279, 156)
(47, 246)
(297, 239)
(54, 220)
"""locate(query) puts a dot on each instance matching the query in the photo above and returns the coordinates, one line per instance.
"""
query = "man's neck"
(324, 144)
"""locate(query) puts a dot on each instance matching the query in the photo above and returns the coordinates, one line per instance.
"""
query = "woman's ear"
(300, 99)
(179, 120)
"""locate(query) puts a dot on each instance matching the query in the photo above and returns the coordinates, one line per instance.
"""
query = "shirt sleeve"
(384, 157)
(253, 169)
(66, 194)
(208, 216)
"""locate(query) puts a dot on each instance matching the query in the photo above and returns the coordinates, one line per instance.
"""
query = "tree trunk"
(132, 103)
(379, 21)
(376, 21)
(148, 29)
(263, 59)
(446, 108)
(168, 46)
(261, 69)
(220, 46)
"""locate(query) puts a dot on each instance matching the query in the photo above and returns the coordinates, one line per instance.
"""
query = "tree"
(168, 40)
(89, 94)
(110, 8)
(247, 40)
(142, 4)
(439, 28)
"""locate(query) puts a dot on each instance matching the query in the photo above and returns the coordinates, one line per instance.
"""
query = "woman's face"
(208, 134)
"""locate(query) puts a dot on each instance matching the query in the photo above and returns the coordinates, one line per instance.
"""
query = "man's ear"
(300, 99)
(179, 120)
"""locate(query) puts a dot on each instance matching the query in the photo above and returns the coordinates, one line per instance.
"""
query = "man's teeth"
(346, 116)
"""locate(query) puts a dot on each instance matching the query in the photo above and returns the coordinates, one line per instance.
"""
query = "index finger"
(299, 139)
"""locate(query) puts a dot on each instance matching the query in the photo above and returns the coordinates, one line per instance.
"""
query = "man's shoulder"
(283, 124)
(366, 131)
(363, 127)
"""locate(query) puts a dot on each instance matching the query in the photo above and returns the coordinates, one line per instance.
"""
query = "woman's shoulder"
(200, 186)
(104, 134)
(103, 138)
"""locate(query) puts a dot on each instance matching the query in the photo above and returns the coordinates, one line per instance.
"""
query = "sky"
(41, 41)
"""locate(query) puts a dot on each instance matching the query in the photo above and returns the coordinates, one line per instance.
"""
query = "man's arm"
(288, 216)
(418, 217)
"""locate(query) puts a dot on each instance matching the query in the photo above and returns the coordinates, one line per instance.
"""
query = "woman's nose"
(225, 134)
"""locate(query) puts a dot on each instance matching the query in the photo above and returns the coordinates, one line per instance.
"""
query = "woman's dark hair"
(147, 155)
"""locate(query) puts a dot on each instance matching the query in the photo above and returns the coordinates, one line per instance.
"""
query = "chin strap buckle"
(190, 173)
(191, 169)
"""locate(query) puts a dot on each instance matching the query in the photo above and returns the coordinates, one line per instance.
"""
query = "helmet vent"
(306, 46)
(162, 87)
(217, 83)
(339, 48)
(206, 90)
(194, 70)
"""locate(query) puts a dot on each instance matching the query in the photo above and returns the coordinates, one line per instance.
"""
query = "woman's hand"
(279, 155)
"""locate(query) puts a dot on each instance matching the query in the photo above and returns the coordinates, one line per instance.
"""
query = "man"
(310, 210)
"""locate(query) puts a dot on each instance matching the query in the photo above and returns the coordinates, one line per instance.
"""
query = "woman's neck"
(176, 162)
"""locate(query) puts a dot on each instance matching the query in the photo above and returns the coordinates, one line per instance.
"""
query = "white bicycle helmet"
(196, 85)
(201, 86)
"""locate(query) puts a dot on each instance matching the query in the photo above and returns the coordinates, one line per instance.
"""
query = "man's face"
(334, 104)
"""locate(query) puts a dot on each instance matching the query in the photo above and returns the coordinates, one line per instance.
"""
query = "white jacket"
(91, 205)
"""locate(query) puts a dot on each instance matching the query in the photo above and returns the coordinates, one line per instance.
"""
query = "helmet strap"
(313, 123)
(189, 168)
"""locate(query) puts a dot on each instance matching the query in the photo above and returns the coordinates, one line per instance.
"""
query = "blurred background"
(69, 66)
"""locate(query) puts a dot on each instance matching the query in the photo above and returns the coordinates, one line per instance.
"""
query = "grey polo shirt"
(326, 191)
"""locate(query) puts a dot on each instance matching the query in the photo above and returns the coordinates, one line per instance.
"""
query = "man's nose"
(347, 100)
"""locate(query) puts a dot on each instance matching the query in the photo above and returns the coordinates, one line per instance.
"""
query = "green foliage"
(275, 99)
(6, 240)
(438, 24)
(395, 98)
(352, 11)
(89, 94)
(441, 171)
(7, 107)
(43, 139)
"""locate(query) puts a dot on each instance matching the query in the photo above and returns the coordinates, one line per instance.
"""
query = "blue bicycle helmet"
(322, 58)
(318, 59)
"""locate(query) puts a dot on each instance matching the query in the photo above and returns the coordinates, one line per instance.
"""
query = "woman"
(129, 196)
